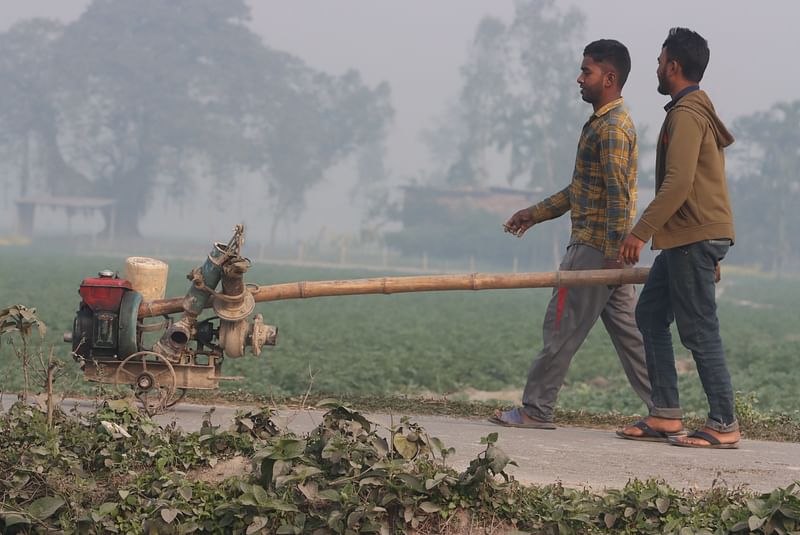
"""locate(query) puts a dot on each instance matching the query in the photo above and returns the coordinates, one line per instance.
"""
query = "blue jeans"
(680, 288)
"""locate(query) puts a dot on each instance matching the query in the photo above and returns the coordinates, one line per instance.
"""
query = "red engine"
(105, 292)
(105, 325)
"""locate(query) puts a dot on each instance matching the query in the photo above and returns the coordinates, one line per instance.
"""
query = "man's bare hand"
(519, 223)
(630, 249)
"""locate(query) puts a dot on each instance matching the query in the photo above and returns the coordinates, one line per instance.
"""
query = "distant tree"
(323, 120)
(767, 192)
(145, 94)
(372, 189)
(519, 95)
(518, 103)
(29, 116)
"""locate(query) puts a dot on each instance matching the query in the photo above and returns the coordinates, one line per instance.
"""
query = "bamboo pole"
(426, 283)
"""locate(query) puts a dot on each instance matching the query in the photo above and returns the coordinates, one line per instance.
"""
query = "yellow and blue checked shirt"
(602, 194)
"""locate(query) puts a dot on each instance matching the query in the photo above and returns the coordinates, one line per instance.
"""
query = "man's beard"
(663, 88)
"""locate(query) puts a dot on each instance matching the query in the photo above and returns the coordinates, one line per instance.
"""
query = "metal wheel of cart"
(152, 378)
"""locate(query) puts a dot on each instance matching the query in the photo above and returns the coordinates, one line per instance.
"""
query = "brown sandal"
(649, 434)
(713, 442)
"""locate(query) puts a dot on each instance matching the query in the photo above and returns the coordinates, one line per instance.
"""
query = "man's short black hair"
(690, 50)
(612, 52)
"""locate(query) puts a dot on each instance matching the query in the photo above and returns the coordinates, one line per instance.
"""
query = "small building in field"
(28, 206)
(499, 201)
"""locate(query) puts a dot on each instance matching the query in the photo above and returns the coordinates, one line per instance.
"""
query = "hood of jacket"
(698, 102)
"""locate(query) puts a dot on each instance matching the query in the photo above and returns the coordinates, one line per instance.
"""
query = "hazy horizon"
(418, 48)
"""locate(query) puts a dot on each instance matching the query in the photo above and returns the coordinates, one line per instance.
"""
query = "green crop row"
(442, 343)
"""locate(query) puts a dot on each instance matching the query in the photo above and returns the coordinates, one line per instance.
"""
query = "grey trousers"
(570, 316)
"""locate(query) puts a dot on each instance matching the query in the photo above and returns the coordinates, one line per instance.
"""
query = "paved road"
(576, 457)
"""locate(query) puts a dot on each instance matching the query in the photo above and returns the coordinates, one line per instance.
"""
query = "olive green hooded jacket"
(691, 202)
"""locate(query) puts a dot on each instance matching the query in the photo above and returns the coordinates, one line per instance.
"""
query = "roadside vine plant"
(114, 470)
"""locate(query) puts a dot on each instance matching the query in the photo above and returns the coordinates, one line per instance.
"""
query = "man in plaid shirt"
(601, 200)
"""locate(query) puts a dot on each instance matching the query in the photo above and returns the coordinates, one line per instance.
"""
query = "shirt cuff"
(643, 230)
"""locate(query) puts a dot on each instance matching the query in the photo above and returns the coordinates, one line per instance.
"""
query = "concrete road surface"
(576, 457)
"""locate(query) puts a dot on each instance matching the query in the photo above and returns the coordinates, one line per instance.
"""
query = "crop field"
(454, 344)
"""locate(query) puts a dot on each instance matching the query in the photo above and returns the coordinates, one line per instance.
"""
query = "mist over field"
(308, 121)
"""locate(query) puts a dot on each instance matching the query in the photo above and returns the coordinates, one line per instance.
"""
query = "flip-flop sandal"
(713, 442)
(650, 434)
(514, 418)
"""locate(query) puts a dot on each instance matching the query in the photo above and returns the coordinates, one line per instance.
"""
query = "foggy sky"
(418, 47)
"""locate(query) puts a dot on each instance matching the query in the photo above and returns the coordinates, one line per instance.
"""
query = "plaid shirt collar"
(608, 107)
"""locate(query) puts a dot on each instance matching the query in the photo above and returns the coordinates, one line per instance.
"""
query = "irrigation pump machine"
(109, 328)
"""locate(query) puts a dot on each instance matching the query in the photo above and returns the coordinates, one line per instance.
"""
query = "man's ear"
(611, 78)
(674, 67)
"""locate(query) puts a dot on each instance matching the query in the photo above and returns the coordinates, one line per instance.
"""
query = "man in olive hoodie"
(690, 220)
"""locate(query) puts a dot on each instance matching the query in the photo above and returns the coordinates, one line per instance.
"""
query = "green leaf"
(304, 472)
(381, 445)
(407, 449)
(247, 498)
(329, 495)
(629, 512)
(46, 507)
(309, 489)
(755, 522)
(662, 504)
(14, 519)
(354, 518)
(790, 512)
(497, 458)
(107, 508)
(118, 405)
(278, 505)
(260, 495)
(430, 507)
(329, 403)
(288, 448)
(757, 507)
(412, 482)
(491, 438)
(168, 515)
(739, 526)
(258, 523)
